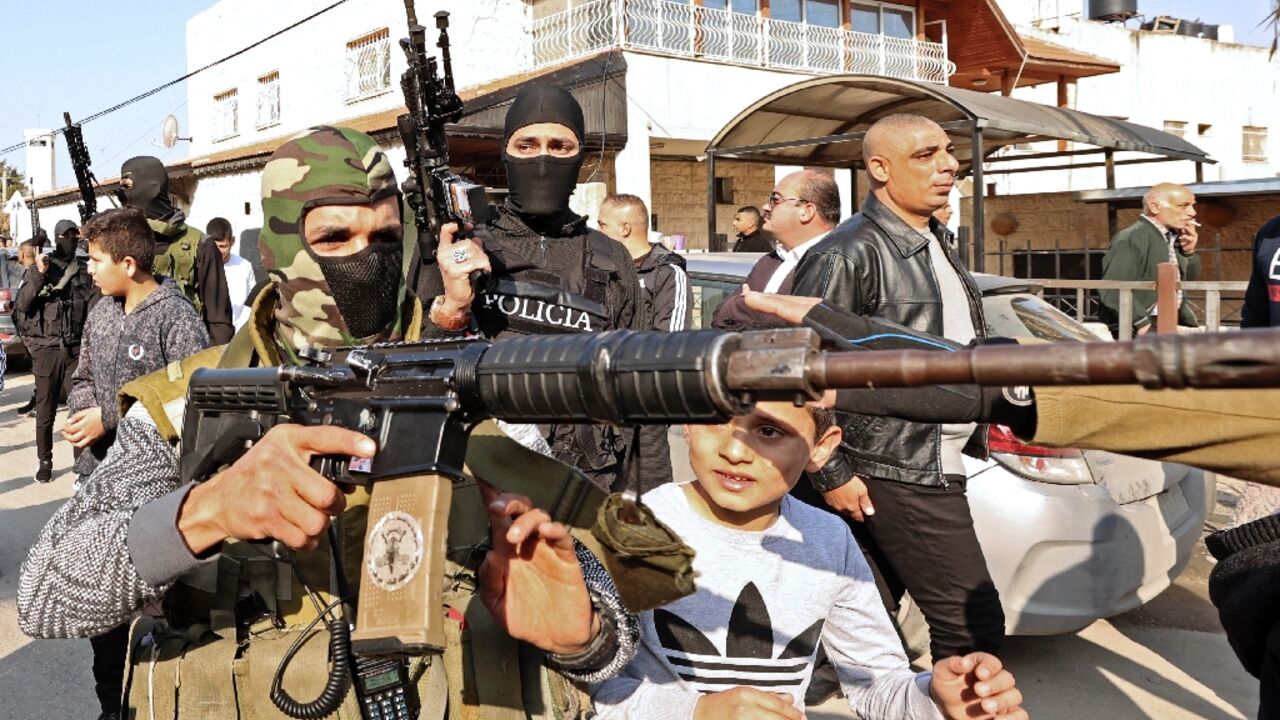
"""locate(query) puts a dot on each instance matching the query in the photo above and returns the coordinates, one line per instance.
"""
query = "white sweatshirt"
(764, 600)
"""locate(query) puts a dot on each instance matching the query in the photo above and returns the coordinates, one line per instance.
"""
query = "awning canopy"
(822, 121)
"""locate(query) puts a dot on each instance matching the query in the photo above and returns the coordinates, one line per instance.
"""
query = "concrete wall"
(680, 192)
(1044, 218)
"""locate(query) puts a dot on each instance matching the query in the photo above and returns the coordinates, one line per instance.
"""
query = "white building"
(657, 79)
(1219, 95)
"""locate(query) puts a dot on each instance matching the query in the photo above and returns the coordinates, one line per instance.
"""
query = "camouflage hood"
(323, 166)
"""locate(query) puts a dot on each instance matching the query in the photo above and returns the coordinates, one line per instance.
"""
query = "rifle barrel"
(1247, 358)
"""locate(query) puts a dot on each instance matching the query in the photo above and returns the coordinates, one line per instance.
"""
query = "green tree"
(10, 180)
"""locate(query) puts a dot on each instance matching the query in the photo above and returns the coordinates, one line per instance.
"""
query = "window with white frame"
(823, 13)
(226, 121)
(1176, 127)
(880, 18)
(368, 67)
(1254, 148)
(269, 100)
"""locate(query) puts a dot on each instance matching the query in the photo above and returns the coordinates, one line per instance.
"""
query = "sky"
(1243, 15)
(84, 56)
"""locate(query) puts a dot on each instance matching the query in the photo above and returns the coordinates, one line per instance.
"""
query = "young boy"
(775, 578)
(138, 326)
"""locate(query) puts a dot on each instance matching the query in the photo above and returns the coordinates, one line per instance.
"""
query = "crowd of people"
(804, 524)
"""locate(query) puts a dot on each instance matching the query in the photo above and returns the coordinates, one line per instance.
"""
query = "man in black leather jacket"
(904, 482)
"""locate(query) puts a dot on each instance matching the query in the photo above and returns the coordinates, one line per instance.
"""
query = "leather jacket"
(876, 265)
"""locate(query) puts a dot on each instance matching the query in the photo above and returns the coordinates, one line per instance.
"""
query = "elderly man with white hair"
(1165, 233)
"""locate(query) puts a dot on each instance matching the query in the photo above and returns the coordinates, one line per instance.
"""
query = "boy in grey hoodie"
(139, 326)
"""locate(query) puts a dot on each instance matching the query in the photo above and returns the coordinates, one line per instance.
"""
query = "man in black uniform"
(181, 252)
(52, 305)
(550, 272)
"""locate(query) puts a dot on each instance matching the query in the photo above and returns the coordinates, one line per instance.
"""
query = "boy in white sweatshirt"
(777, 577)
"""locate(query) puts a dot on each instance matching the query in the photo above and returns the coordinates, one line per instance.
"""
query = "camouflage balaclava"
(329, 301)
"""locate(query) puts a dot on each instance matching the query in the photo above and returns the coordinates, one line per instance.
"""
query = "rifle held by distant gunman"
(81, 164)
(437, 194)
(421, 401)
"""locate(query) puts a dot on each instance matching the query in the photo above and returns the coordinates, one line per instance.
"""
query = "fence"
(686, 30)
(1084, 291)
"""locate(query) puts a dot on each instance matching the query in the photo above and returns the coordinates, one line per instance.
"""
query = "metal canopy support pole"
(1199, 172)
(979, 193)
(1111, 185)
(711, 201)
(853, 187)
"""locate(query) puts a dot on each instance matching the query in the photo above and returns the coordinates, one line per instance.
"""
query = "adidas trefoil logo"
(748, 655)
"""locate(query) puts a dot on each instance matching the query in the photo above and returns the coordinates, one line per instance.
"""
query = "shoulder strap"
(649, 563)
(160, 392)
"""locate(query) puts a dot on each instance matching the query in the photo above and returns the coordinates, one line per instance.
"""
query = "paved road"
(1165, 660)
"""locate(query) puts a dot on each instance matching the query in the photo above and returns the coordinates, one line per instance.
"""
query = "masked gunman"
(551, 273)
(52, 305)
(181, 253)
(332, 244)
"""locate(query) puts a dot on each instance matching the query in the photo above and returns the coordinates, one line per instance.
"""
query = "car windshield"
(1021, 315)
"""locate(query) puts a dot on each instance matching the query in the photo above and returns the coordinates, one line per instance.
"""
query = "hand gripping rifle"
(437, 194)
(420, 402)
(80, 163)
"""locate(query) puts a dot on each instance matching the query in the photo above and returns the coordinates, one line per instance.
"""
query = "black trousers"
(53, 368)
(110, 650)
(921, 540)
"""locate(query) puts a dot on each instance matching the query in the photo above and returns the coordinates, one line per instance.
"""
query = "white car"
(1069, 536)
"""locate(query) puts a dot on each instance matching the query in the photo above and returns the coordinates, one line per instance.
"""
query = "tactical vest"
(227, 625)
(178, 261)
(529, 300)
(61, 309)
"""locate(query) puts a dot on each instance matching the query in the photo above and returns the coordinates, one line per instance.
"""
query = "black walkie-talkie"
(383, 689)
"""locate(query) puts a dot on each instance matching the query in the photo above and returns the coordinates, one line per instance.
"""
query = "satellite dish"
(169, 133)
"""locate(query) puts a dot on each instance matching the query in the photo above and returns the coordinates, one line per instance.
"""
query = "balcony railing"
(682, 29)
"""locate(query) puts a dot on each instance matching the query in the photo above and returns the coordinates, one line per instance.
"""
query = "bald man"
(901, 482)
(1165, 233)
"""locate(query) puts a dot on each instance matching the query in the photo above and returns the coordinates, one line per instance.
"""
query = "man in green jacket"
(1166, 232)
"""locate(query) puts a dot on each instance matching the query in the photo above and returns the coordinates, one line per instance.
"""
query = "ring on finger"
(460, 255)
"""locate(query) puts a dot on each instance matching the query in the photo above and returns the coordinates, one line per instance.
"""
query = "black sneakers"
(45, 473)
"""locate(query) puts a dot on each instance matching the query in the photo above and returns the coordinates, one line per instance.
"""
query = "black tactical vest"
(526, 299)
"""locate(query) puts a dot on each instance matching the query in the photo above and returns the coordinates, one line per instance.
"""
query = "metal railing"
(686, 30)
(1212, 292)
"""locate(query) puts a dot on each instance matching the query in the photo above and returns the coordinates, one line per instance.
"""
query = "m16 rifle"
(437, 194)
(81, 164)
(421, 401)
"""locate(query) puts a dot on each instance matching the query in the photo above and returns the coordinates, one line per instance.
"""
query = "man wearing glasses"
(803, 207)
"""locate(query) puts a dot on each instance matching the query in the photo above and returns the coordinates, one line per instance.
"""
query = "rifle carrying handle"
(401, 608)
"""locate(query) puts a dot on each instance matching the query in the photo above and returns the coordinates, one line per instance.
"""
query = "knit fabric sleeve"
(605, 598)
(80, 578)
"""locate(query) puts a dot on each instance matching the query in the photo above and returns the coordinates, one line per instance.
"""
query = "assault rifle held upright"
(420, 402)
(81, 164)
(437, 194)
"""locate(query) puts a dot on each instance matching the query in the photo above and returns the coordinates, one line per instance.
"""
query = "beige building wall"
(680, 196)
(1043, 218)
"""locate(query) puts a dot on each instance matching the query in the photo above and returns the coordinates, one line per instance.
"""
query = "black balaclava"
(541, 186)
(150, 191)
(63, 243)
